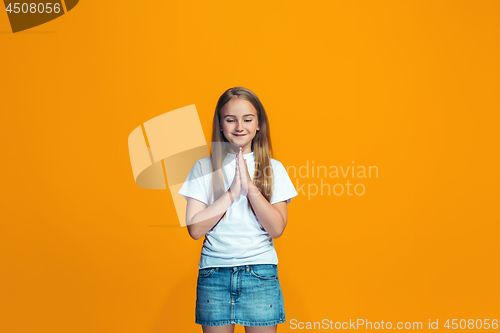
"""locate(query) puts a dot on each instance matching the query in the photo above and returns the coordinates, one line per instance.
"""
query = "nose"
(240, 126)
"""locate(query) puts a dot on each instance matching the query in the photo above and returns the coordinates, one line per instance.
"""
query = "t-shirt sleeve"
(283, 188)
(194, 186)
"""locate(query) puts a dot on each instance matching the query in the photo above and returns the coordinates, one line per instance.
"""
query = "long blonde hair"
(261, 147)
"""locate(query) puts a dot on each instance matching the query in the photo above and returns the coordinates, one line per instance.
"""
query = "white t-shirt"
(239, 238)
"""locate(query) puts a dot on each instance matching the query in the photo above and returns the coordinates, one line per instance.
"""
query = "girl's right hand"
(236, 185)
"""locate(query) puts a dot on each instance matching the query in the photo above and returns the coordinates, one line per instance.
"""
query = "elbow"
(192, 233)
(280, 227)
(194, 236)
(277, 233)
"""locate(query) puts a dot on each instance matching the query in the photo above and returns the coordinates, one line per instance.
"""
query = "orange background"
(409, 86)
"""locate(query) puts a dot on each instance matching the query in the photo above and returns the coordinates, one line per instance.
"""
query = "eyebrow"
(245, 115)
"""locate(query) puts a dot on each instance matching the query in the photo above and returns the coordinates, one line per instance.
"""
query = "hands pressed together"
(242, 179)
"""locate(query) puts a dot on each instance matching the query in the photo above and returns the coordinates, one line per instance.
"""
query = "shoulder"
(203, 163)
(274, 161)
(276, 164)
(278, 167)
(202, 167)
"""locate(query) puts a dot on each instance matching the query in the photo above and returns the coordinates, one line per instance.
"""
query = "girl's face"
(239, 124)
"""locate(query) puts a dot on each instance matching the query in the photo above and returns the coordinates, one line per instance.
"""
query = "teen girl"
(239, 215)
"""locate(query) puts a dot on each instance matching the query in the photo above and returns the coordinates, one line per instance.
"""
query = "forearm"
(269, 216)
(205, 220)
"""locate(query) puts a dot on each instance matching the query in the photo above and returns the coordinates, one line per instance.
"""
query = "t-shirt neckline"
(245, 156)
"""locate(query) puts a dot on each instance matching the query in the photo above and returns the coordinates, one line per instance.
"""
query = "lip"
(239, 135)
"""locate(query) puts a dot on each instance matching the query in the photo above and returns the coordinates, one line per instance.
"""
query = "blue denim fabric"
(248, 295)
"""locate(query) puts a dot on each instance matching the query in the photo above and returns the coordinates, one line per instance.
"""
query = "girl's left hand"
(245, 179)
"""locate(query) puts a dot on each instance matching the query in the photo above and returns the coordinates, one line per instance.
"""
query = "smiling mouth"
(239, 135)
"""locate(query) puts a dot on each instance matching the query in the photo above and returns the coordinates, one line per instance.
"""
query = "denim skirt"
(248, 295)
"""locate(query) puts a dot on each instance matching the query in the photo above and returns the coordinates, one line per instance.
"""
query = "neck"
(246, 150)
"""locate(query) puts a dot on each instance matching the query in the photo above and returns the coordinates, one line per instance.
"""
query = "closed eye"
(231, 120)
